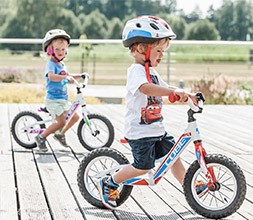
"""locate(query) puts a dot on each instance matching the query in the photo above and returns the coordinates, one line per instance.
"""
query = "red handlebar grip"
(173, 97)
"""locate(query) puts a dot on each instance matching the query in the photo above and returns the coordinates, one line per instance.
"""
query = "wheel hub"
(214, 187)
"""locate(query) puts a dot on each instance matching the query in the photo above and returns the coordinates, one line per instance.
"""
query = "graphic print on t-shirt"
(152, 112)
(63, 73)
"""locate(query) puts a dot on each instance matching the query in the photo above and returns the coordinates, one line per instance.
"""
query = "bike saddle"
(43, 109)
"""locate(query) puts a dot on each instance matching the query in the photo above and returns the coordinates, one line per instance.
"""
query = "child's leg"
(55, 126)
(127, 173)
(178, 171)
(72, 121)
(108, 186)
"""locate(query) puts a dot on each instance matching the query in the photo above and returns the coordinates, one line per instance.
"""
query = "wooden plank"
(33, 204)
(68, 164)
(59, 196)
(8, 199)
(52, 188)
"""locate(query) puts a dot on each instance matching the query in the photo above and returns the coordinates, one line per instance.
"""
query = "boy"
(147, 37)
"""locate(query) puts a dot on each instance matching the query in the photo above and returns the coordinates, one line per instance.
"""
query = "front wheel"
(25, 127)
(96, 165)
(97, 132)
(224, 197)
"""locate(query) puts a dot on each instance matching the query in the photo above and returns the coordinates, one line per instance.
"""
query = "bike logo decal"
(72, 110)
(36, 131)
(173, 154)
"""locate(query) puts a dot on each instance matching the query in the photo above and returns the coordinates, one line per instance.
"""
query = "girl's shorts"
(57, 107)
(146, 150)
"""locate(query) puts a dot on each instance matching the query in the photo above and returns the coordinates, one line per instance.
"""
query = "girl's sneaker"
(108, 192)
(61, 138)
(41, 143)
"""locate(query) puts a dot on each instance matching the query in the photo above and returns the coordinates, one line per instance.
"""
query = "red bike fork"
(209, 172)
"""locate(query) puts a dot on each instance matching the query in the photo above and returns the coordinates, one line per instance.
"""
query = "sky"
(189, 5)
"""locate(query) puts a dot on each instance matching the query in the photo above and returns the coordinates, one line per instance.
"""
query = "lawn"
(107, 65)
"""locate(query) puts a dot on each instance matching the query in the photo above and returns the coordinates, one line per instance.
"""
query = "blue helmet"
(146, 29)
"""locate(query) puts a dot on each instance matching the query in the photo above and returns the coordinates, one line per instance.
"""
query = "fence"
(107, 68)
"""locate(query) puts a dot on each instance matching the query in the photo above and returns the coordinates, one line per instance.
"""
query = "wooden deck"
(35, 185)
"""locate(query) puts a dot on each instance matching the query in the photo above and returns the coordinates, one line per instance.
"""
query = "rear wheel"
(21, 126)
(225, 196)
(95, 166)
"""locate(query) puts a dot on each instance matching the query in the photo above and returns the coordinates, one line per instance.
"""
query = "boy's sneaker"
(41, 143)
(108, 192)
(61, 138)
(200, 186)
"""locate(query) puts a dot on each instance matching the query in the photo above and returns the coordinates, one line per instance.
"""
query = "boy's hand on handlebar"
(182, 96)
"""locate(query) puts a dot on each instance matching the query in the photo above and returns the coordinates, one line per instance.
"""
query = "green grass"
(220, 53)
(107, 64)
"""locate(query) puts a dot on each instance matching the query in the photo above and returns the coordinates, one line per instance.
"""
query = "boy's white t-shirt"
(135, 101)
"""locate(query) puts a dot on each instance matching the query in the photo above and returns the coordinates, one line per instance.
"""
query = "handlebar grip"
(85, 75)
(173, 97)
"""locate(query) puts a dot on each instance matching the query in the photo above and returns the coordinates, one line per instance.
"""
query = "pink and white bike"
(225, 185)
(94, 130)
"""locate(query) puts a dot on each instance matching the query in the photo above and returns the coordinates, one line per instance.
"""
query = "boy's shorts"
(57, 107)
(147, 150)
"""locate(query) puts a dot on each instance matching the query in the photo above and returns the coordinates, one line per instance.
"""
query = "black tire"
(94, 163)
(104, 132)
(230, 188)
(20, 125)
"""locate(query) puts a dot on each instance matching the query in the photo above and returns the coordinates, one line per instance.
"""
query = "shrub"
(13, 75)
(10, 75)
(220, 90)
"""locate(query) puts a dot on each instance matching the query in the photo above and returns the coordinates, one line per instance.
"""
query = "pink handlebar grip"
(173, 97)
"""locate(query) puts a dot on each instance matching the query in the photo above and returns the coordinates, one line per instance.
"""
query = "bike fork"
(208, 171)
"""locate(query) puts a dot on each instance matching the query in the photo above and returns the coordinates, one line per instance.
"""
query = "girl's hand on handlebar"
(70, 79)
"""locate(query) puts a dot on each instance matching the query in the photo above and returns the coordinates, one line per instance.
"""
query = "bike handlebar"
(85, 77)
(196, 108)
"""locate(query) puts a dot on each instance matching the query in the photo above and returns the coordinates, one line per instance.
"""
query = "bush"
(219, 90)
(10, 75)
(19, 76)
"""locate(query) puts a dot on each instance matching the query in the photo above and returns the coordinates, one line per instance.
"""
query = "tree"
(95, 25)
(201, 30)
(242, 19)
(193, 16)
(68, 21)
(115, 28)
(33, 19)
(177, 24)
(234, 19)
(120, 8)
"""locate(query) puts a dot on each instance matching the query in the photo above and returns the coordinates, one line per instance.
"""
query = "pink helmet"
(146, 29)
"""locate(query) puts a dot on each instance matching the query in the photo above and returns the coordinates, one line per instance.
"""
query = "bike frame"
(191, 134)
(79, 100)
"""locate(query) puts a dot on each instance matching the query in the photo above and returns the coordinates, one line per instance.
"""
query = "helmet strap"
(51, 52)
(147, 62)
